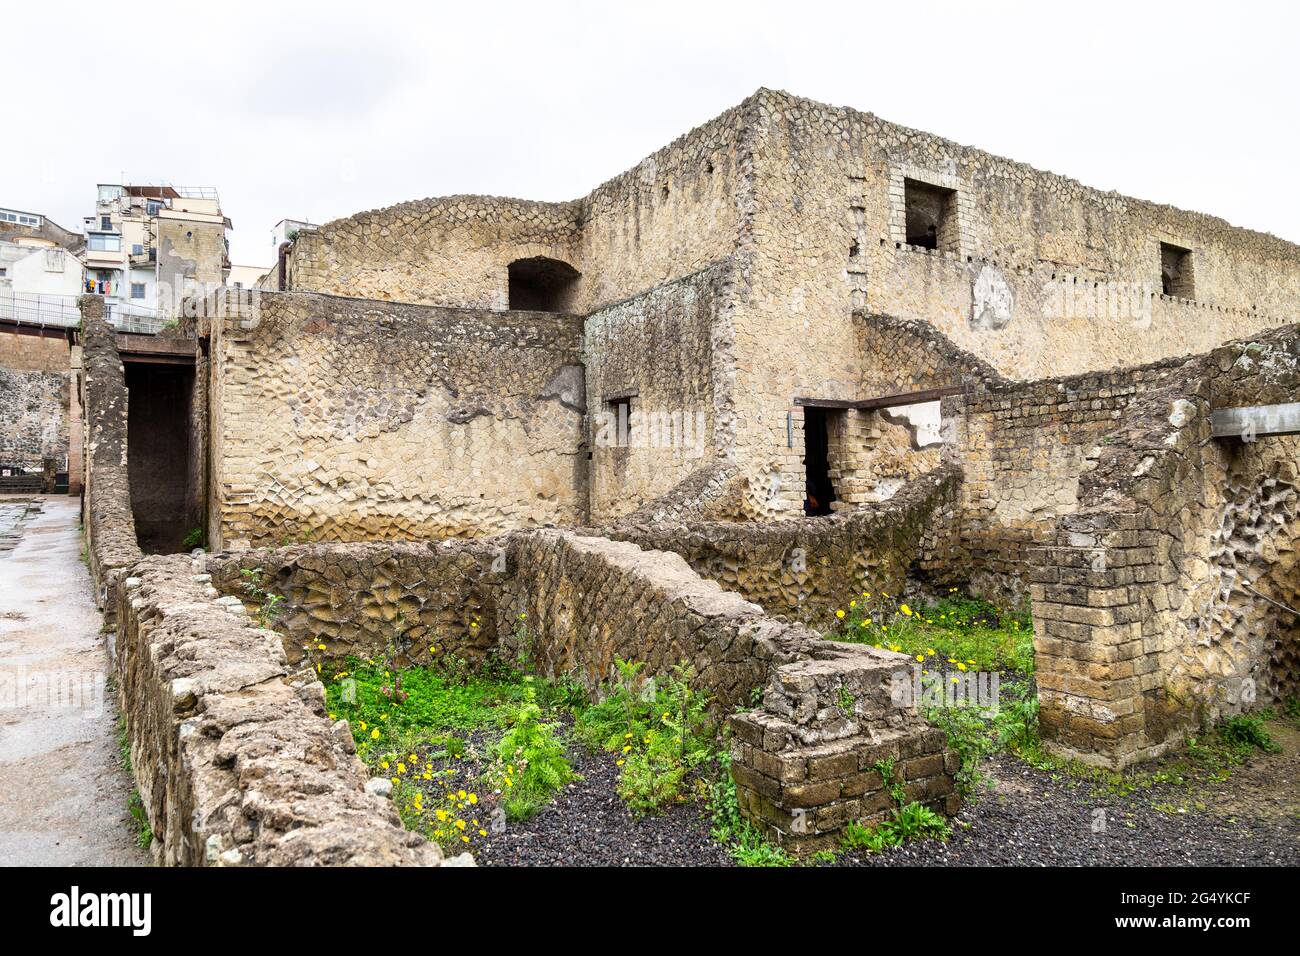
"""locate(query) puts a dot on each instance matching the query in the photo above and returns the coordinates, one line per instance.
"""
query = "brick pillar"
(1088, 592)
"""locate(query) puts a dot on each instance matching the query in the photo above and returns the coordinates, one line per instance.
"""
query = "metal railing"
(61, 311)
(35, 309)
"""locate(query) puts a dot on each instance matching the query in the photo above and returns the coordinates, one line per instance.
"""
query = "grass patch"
(660, 729)
(410, 725)
(134, 804)
(960, 632)
(910, 821)
(397, 709)
(139, 820)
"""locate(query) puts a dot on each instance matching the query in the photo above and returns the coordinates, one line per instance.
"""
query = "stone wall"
(804, 761)
(1035, 276)
(1156, 604)
(107, 519)
(35, 387)
(1024, 447)
(347, 419)
(675, 213)
(806, 568)
(235, 757)
(1041, 276)
(655, 353)
(571, 604)
(414, 603)
(451, 251)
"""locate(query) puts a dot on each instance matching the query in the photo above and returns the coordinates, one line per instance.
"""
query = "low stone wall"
(807, 567)
(590, 600)
(571, 604)
(235, 758)
(803, 761)
(414, 602)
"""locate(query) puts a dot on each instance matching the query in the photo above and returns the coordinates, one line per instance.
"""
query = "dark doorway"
(158, 453)
(818, 493)
(542, 285)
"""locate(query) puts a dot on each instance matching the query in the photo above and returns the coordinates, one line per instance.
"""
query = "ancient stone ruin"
(799, 354)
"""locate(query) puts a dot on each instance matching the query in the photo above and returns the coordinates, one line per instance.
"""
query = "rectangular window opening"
(1176, 276)
(931, 216)
(619, 407)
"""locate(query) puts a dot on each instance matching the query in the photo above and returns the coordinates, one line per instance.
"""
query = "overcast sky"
(315, 110)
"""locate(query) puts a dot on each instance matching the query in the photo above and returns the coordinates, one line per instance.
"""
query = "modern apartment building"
(147, 247)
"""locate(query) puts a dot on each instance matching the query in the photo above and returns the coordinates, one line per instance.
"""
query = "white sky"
(318, 110)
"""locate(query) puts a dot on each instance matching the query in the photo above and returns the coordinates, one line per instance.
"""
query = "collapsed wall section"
(349, 419)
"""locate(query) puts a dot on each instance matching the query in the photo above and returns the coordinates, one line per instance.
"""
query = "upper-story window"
(105, 222)
(931, 216)
(542, 285)
(1176, 274)
(103, 242)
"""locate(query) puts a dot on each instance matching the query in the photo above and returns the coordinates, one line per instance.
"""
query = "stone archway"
(540, 284)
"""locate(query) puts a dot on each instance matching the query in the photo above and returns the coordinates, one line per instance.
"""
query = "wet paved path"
(63, 796)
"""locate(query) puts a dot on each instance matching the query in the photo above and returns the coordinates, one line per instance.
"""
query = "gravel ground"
(1023, 817)
(587, 824)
